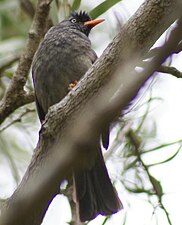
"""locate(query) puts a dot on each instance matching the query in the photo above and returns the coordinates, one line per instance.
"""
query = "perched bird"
(62, 58)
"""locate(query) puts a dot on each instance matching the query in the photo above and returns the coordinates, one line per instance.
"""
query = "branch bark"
(170, 70)
(15, 95)
(28, 7)
(64, 136)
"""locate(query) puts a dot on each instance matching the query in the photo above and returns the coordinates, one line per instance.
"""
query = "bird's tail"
(95, 193)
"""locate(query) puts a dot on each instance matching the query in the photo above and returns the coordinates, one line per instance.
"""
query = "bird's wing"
(40, 111)
(93, 56)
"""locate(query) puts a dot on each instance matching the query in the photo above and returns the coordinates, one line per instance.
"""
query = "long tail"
(95, 193)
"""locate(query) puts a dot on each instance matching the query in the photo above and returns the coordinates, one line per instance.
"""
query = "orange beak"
(93, 23)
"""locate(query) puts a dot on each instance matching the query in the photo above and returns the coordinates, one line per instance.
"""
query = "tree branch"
(17, 119)
(15, 95)
(154, 51)
(69, 130)
(170, 70)
(154, 182)
(179, 48)
(8, 63)
(28, 7)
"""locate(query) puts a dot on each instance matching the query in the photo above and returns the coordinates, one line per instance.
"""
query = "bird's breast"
(62, 58)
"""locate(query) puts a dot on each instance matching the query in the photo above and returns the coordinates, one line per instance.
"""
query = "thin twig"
(136, 143)
(18, 119)
(170, 70)
(8, 63)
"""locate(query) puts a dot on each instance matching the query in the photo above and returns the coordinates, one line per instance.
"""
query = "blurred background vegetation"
(139, 147)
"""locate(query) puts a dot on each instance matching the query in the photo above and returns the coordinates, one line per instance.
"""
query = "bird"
(62, 58)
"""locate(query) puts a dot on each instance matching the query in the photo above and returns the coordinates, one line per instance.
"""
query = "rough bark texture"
(59, 149)
(15, 95)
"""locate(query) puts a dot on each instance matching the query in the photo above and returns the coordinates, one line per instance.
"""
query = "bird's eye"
(73, 20)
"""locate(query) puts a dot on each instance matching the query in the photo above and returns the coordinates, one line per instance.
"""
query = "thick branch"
(64, 136)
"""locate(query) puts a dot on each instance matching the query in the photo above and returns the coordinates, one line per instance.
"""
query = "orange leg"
(72, 84)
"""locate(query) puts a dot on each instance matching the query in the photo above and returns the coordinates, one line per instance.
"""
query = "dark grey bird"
(62, 58)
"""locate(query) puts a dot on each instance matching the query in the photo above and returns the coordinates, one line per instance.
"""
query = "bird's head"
(82, 21)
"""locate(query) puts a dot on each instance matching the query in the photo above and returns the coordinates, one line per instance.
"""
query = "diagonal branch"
(170, 70)
(28, 7)
(15, 95)
(8, 63)
(69, 130)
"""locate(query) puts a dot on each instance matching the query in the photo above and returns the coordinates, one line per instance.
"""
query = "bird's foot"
(72, 85)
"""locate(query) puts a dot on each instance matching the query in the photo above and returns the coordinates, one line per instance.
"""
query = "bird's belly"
(55, 82)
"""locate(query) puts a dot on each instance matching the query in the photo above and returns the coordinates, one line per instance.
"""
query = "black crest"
(81, 16)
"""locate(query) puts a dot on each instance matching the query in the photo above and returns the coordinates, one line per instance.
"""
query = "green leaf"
(157, 186)
(163, 146)
(76, 5)
(131, 165)
(139, 190)
(168, 159)
(105, 220)
(102, 8)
